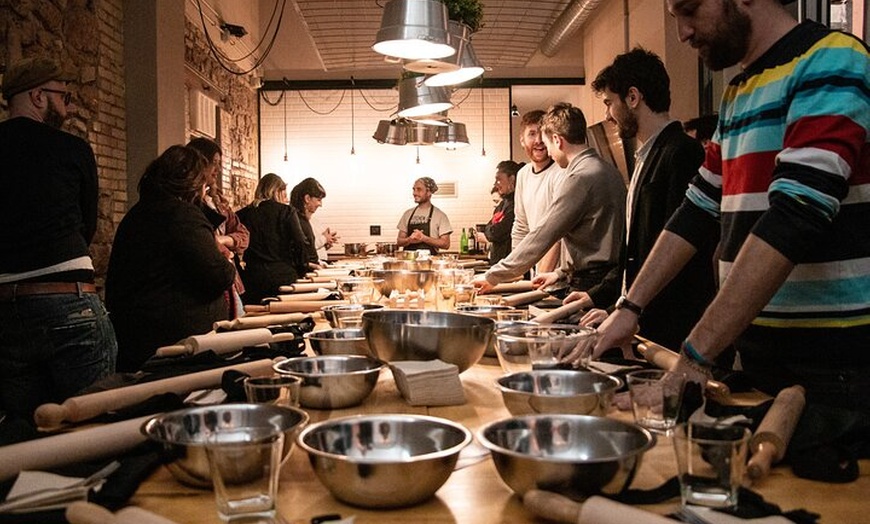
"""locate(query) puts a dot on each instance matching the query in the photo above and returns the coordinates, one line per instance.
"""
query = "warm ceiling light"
(467, 66)
(451, 136)
(414, 29)
(418, 99)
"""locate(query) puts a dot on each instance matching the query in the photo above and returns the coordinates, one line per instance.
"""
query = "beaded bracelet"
(694, 355)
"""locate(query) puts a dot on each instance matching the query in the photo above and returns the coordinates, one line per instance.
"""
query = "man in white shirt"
(536, 187)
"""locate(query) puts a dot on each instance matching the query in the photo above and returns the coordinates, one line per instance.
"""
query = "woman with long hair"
(306, 197)
(166, 277)
(275, 255)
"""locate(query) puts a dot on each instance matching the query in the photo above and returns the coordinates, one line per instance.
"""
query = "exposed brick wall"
(86, 35)
(238, 115)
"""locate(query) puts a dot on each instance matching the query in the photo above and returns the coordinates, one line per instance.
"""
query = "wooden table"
(476, 494)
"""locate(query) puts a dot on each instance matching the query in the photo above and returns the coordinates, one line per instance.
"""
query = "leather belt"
(8, 292)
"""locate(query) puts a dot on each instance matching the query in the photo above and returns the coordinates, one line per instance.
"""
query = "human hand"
(545, 279)
(482, 286)
(593, 317)
(617, 330)
(416, 236)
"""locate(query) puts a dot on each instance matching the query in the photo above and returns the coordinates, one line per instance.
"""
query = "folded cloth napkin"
(429, 382)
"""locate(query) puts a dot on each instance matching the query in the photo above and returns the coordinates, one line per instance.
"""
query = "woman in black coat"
(276, 253)
(166, 278)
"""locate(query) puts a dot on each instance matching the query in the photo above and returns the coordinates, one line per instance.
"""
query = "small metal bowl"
(558, 391)
(184, 433)
(329, 312)
(574, 455)
(384, 461)
(332, 381)
(351, 341)
(404, 280)
(486, 311)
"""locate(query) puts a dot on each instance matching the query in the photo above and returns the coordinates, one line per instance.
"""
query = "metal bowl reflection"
(384, 461)
(184, 433)
(558, 391)
(404, 280)
(332, 381)
(330, 312)
(573, 455)
(426, 335)
(351, 341)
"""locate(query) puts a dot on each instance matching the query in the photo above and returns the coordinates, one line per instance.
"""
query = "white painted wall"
(373, 187)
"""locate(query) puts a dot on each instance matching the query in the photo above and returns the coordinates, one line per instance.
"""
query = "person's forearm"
(442, 242)
(550, 260)
(756, 275)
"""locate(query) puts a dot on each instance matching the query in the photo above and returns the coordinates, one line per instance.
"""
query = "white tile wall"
(373, 187)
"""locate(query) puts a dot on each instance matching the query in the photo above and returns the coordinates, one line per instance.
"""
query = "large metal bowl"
(332, 381)
(395, 335)
(329, 312)
(573, 455)
(412, 265)
(384, 461)
(558, 392)
(351, 341)
(184, 433)
(404, 280)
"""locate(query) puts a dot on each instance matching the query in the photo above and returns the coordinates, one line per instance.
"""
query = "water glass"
(526, 347)
(711, 460)
(245, 466)
(656, 396)
(356, 290)
(279, 390)
(349, 317)
(512, 315)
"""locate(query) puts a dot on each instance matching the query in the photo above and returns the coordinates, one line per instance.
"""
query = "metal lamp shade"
(451, 136)
(418, 99)
(464, 65)
(393, 132)
(420, 134)
(414, 29)
(438, 119)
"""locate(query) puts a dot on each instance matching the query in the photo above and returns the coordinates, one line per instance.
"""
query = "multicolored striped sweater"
(790, 163)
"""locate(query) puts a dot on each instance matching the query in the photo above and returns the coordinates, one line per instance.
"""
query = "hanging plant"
(469, 12)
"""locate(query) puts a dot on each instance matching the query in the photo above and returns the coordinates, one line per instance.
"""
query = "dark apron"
(425, 228)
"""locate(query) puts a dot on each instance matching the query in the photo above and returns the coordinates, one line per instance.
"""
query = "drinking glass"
(711, 460)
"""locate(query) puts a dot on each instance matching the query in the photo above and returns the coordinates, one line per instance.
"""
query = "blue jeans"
(51, 347)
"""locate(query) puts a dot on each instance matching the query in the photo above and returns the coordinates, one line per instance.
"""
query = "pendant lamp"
(463, 66)
(414, 29)
(417, 99)
(451, 136)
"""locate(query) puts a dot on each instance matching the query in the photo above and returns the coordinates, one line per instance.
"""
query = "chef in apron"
(424, 226)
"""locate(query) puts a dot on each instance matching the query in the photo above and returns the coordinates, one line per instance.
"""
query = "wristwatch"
(624, 303)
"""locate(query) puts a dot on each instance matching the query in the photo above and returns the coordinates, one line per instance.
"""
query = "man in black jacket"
(55, 334)
(498, 229)
(636, 90)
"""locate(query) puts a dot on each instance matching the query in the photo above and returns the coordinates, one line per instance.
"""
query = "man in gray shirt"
(588, 212)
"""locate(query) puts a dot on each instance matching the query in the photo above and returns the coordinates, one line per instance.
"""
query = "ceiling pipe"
(566, 25)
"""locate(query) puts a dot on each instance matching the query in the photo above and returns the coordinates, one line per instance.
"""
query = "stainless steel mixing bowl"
(558, 391)
(351, 341)
(184, 433)
(426, 335)
(384, 461)
(574, 455)
(332, 381)
(488, 311)
(329, 312)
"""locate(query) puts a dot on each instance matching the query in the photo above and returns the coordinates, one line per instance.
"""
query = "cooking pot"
(355, 249)
(386, 248)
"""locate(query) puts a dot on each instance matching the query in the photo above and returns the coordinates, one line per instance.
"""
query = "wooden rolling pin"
(82, 512)
(69, 448)
(667, 359)
(594, 510)
(259, 321)
(563, 311)
(465, 264)
(770, 440)
(86, 407)
(521, 299)
(520, 286)
(329, 273)
(306, 287)
(302, 297)
(226, 342)
(310, 306)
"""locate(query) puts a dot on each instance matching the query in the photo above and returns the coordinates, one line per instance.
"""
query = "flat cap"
(31, 72)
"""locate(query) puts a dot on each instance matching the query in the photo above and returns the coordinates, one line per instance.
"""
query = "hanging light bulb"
(352, 143)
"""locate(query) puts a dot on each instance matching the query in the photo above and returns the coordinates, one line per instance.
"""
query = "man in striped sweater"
(787, 179)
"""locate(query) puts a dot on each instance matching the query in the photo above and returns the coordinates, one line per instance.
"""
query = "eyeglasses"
(67, 96)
